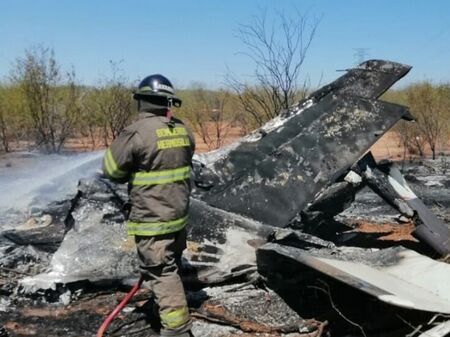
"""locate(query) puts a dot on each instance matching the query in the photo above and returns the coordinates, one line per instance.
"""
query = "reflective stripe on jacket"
(154, 155)
(171, 319)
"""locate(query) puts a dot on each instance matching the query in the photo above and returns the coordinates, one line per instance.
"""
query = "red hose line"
(117, 310)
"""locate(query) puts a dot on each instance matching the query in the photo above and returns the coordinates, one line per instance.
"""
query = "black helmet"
(158, 89)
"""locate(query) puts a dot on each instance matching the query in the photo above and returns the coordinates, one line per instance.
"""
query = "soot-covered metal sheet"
(340, 130)
(397, 276)
(429, 227)
(388, 182)
(369, 80)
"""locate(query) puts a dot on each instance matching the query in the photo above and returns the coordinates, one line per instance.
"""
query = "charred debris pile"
(294, 230)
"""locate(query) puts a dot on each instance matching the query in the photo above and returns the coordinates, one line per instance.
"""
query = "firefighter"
(154, 156)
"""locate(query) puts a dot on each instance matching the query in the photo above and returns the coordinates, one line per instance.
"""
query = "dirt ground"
(389, 231)
(387, 147)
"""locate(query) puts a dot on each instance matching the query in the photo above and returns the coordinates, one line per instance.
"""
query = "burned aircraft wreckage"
(265, 207)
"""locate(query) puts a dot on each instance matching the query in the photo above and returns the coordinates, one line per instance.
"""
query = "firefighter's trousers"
(159, 257)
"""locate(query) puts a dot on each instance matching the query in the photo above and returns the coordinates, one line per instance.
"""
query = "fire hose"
(119, 308)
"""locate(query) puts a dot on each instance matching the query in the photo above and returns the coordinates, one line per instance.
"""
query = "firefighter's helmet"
(157, 89)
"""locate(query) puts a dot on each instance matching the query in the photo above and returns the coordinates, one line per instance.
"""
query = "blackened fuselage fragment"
(273, 178)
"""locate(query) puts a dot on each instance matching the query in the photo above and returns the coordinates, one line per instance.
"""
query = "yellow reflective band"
(111, 167)
(156, 228)
(172, 143)
(146, 88)
(161, 177)
(169, 132)
(174, 318)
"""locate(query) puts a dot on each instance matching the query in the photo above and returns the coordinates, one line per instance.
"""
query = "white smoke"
(31, 179)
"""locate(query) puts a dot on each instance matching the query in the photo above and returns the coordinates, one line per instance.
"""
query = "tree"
(3, 131)
(278, 50)
(111, 102)
(50, 97)
(410, 136)
(15, 124)
(4, 134)
(210, 113)
(430, 106)
(445, 96)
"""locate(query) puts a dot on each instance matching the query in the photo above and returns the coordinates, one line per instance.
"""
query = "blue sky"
(195, 41)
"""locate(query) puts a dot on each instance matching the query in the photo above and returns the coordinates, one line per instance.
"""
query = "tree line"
(43, 107)
(429, 104)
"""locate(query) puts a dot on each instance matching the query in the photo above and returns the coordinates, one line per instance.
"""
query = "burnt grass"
(79, 323)
(53, 320)
(81, 318)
